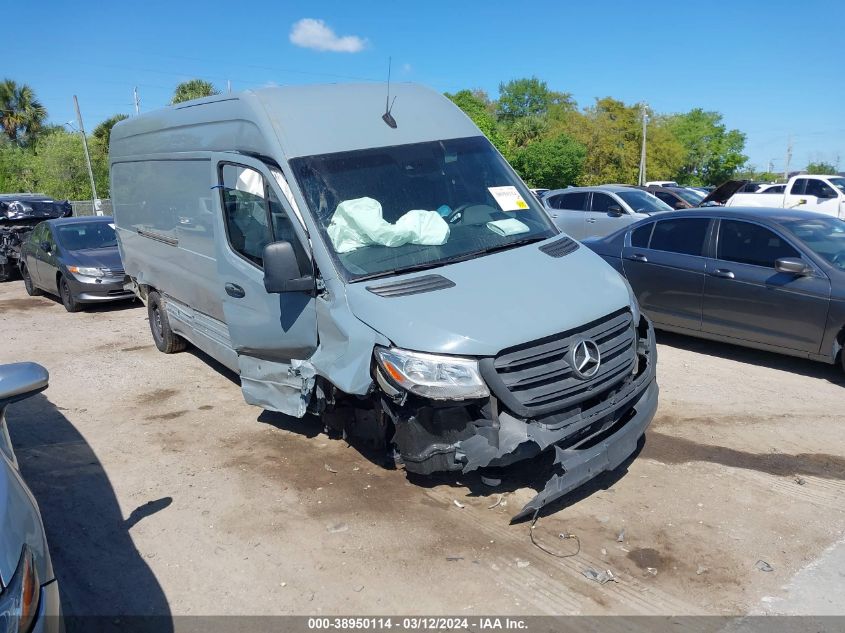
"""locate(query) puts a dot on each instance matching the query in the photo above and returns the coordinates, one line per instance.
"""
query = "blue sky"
(773, 69)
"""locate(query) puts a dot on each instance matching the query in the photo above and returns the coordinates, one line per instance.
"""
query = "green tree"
(21, 114)
(552, 163)
(60, 171)
(713, 153)
(102, 133)
(821, 168)
(193, 89)
(16, 168)
(526, 97)
(477, 107)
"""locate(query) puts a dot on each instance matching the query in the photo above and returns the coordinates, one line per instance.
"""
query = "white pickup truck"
(824, 194)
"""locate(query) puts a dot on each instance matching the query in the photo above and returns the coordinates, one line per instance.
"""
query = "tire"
(31, 289)
(165, 339)
(66, 294)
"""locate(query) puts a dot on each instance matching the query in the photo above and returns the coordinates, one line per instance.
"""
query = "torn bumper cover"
(596, 430)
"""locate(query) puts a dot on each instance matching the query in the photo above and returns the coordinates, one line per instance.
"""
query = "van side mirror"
(21, 380)
(615, 211)
(793, 266)
(282, 272)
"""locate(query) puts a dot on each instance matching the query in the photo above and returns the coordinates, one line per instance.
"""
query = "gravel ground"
(162, 492)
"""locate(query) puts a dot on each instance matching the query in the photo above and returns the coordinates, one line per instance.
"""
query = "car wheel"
(165, 339)
(68, 300)
(31, 289)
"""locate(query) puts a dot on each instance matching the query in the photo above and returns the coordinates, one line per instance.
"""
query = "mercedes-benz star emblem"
(585, 358)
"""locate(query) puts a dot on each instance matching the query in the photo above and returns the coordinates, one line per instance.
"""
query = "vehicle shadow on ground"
(104, 306)
(801, 366)
(103, 580)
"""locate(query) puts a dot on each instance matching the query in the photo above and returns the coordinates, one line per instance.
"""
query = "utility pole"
(788, 158)
(229, 86)
(642, 176)
(137, 100)
(94, 200)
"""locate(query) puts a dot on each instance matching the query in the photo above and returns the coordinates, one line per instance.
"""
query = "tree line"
(38, 157)
(544, 134)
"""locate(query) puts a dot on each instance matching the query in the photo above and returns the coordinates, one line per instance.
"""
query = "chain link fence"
(86, 207)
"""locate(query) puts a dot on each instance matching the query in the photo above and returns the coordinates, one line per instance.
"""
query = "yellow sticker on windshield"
(508, 198)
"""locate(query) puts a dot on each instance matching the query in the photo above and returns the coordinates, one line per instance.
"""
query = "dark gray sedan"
(76, 259)
(772, 279)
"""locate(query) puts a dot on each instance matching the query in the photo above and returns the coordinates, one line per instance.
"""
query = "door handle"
(234, 290)
(638, 258)
(591, 220)
(724, 274)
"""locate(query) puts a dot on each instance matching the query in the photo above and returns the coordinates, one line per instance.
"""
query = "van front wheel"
(165, 339)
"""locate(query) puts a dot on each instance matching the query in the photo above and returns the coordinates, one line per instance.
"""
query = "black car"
(676, 197)
(771, 279)
(19, 213)
(76, 259)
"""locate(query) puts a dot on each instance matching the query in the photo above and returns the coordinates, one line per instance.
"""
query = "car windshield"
(642, 202)
(80, 236)
(390, 210)
(839, 183)
(824, 236)
(691, 196)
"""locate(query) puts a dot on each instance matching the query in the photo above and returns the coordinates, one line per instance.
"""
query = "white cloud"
(311, 33)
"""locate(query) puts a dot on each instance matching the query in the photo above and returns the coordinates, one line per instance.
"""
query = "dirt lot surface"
(163, 492)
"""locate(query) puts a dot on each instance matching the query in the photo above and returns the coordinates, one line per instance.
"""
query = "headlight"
(87, 272)
(19, 600)
(431, 376)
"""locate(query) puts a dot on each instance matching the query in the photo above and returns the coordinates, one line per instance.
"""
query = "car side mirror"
(21, 380)
(793, 266)
(45, 246)
(615, 211)
(282, 272)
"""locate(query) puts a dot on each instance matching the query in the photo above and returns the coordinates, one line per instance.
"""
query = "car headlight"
(86, 271)
(432, 376)
(19, 600)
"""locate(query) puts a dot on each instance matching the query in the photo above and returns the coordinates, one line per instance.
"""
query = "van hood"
(497, 301)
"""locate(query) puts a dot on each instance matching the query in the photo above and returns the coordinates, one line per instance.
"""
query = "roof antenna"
(388, 104)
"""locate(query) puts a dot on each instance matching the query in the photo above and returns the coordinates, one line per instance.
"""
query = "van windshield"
(390, 210)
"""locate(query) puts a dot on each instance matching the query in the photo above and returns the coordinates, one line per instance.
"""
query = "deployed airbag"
(359, 222)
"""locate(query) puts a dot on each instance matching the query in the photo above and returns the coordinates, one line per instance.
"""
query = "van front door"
(272, 334)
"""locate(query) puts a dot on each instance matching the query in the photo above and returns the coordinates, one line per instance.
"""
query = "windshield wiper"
(450, 260)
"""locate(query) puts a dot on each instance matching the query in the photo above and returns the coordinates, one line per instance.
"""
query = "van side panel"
(164, 214)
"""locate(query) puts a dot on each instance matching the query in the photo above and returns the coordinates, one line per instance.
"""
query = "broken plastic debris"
(600, 577)
(651, 570)
(764, 566)
(701, 569)
(458, 503)
(329, 468)
(522, 564)
(337, 527)
(491, 481)
(620, 538)
(498, 501)
(800, 481)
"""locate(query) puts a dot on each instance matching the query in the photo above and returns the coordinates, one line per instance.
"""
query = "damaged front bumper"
(596, 434)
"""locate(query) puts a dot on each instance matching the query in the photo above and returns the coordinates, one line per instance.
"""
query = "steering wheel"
(458, 212)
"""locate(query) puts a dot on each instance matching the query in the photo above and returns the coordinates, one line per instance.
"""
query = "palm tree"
(21, 114)
(193, 89)
(103, 131)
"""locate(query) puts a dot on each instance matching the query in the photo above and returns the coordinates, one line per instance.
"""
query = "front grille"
(536, 379)
(115, 272)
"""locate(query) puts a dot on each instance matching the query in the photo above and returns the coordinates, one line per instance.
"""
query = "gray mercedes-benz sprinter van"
(388, 271)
